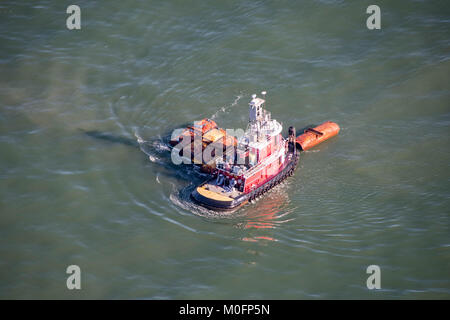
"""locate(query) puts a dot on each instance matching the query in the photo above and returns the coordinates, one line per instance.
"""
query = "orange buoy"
(313, 136)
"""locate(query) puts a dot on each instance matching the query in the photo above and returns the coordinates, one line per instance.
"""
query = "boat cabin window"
(253, 157)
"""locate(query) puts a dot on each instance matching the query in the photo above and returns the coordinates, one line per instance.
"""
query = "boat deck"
(224, 191)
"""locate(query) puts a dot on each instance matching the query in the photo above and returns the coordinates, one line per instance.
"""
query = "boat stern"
(213, 199)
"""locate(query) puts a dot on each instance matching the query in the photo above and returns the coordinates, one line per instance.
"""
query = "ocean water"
(86, 177)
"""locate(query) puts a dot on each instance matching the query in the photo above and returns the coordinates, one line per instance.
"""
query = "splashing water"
(148, 148)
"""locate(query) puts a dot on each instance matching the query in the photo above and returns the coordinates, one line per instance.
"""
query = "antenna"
(264, 96)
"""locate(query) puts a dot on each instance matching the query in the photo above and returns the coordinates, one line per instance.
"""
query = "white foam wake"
(226, 108)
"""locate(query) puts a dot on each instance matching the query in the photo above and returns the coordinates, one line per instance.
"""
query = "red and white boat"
(263, 159)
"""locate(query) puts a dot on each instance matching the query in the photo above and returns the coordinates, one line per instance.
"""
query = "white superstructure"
(262, 137)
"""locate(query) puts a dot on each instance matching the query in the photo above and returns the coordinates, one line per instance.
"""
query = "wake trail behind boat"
(150, 148)
(226, 108)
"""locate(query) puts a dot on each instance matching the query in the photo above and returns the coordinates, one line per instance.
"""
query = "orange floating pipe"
(313, 136)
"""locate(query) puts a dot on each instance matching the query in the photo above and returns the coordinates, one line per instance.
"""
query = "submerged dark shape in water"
(147, 147)
(114, 138)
